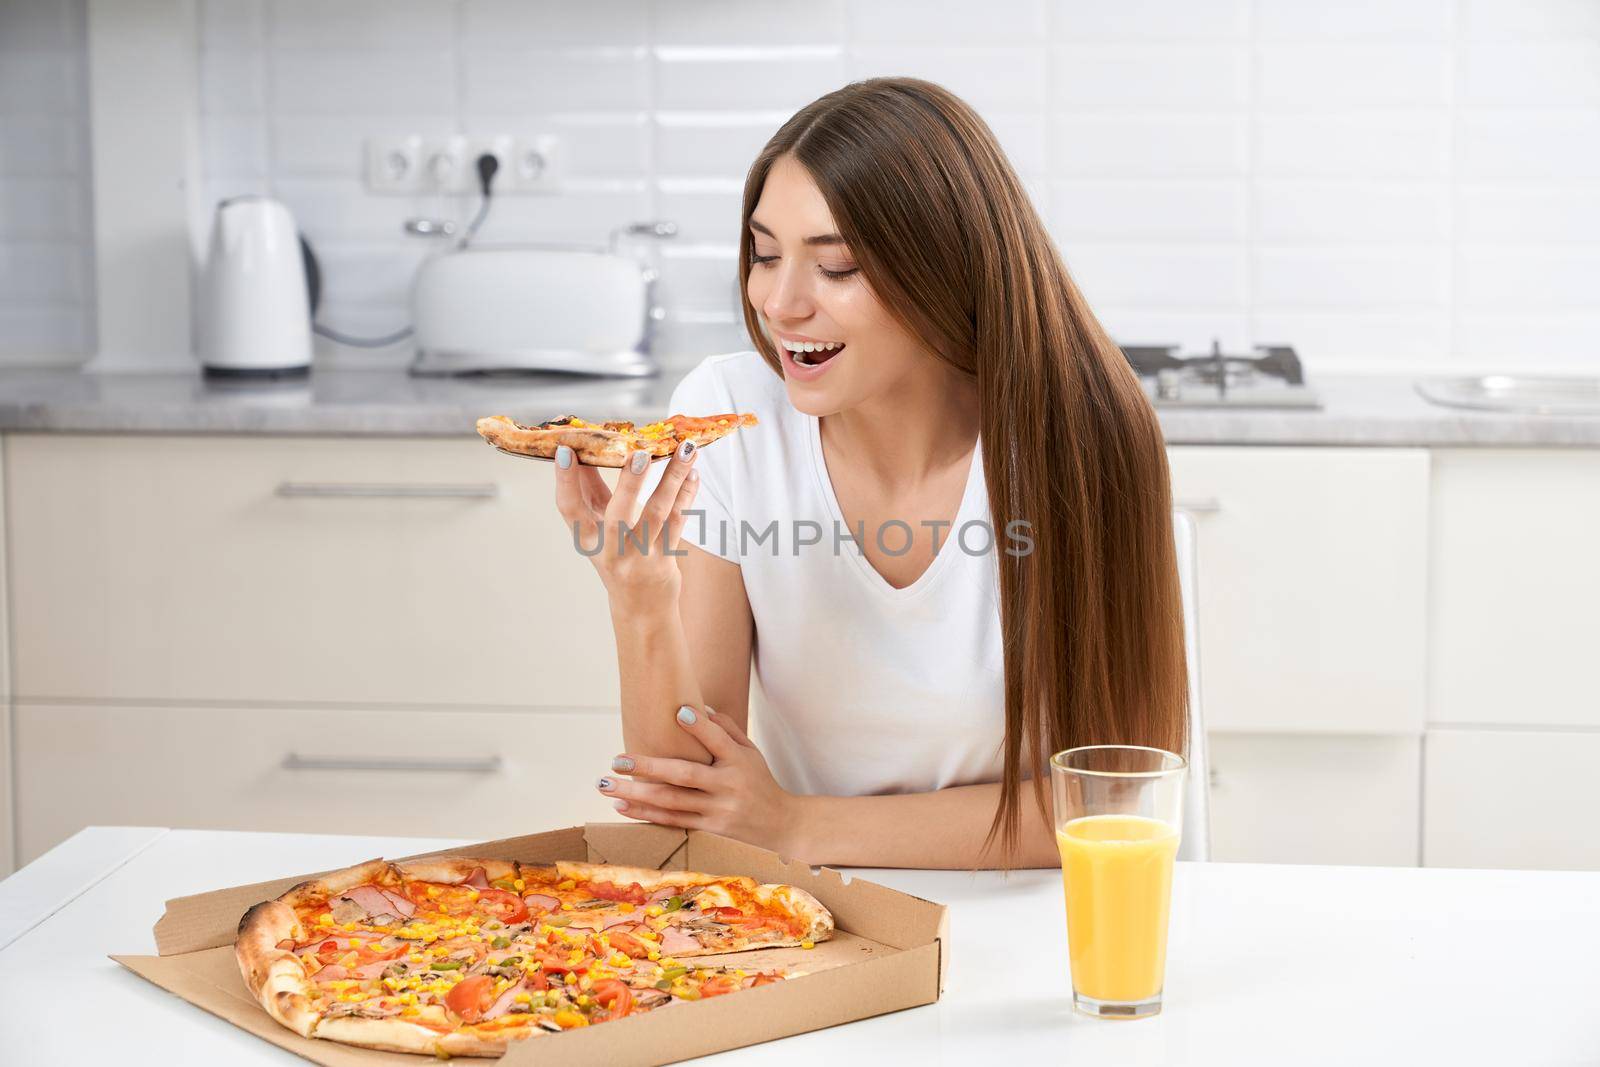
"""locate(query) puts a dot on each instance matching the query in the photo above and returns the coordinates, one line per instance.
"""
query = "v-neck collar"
(970, 502)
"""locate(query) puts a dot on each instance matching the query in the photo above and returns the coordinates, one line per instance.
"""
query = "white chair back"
(1196, 844)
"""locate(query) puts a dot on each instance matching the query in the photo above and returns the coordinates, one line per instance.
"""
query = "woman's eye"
(757, 261)
(836, 274)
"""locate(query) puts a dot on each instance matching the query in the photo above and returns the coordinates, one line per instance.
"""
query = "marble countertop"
(1358, 410)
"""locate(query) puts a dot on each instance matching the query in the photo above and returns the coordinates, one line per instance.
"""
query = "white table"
(1267, 964)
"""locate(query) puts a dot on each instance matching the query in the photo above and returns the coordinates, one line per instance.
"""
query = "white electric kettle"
(255, 315)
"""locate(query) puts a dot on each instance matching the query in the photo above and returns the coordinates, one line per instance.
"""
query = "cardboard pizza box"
(886, 954)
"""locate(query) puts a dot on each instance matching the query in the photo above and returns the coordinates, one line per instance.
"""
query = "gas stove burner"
(1273, 378)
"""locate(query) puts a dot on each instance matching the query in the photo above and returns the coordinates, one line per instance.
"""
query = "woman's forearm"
(658, 678)
(942, 829)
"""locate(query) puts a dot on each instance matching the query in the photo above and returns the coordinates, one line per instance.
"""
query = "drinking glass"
(1118, 815)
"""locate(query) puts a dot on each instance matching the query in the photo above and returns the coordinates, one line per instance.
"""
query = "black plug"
(488, 167)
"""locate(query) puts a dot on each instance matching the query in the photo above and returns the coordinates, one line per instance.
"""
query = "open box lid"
(887, 954)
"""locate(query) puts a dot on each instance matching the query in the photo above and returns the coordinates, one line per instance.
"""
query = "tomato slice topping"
(717, 985)
(329, 951)
(471, 997)
(614, 995)
(507, 907)
(627, 944)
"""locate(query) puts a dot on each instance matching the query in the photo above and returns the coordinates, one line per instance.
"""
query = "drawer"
(475, 774)
(1305, 799)
(1312, 586)
(1521, 799)
(377, 571)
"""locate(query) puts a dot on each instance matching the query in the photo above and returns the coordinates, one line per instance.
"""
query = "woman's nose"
(789, 297)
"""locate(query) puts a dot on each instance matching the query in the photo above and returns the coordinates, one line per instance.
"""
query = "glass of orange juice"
(1118, 814)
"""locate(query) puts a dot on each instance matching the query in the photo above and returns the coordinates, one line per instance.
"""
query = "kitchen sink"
(1534, 395)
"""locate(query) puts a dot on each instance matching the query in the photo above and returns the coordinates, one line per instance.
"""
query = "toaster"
(534, 308)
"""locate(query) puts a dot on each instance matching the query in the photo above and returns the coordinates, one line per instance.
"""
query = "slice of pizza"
(607, 444)
(460, 956)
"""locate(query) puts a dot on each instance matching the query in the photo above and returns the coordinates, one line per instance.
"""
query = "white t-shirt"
(863, 688)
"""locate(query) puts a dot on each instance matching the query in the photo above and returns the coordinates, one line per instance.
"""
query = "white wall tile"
(545, 23)
(41, 335)
(1024, 140)
(340, 210)
(1551, 342)
(1149, 20)
(1510, 20)
(700, 278)
(41, 271)
(1157, 77)
(738, 82)
(1313, 277)
(1148, 211)
(42, 208)
(355, 82)
(1160, 277)
(235, 24)
(706, 212)
(1501, 278)
(1553, 73)
(1142, 146)
(1382, 145)
(405, 25)
(710, 147)
(592, 145)
(368, 273)
(233, 147)
(1353, 76)
(1524, 144)
(990, 79)
(39, 83)
(538, 81)
(1510, 213)
(943, 21)
(1351, 211)
(1192, 330)
(29, 25)
(748, 22)
(1330, 341)
(586, 215)
(232, 82)
(1355, 20)
(35, 145)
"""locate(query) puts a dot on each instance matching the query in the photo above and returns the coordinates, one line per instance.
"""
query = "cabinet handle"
(438, 765)
(473, 491)
(1199, 505)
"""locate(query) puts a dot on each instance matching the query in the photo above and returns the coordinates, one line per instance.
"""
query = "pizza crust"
(606, 444)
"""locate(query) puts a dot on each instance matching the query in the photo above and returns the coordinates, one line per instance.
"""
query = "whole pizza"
(607, 444)
(458, 957)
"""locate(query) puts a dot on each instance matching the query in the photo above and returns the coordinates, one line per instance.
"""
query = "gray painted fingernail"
(563, 457)
(686, 715)
(686, 450)
(639, 462)
(622, 763)
(605, 783)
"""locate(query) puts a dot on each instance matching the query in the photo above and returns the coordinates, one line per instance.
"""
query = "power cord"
(488, 166)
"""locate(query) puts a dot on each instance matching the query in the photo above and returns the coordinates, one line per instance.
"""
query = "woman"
(924, 370)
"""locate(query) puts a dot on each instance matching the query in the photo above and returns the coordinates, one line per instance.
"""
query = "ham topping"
(540, 900)
(368, 903)
(477, 879)
(617, 919)
(674, 941)
(367, 970)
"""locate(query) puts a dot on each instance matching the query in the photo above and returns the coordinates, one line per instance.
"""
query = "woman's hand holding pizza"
(735, 796)
(632, 545)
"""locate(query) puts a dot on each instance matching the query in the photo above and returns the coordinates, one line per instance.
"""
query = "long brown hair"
(945, 234)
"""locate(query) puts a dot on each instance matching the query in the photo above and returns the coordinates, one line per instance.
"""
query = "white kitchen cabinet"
(1301, 798)
(1511, 798)
(479, 774)
(1515, 587)
(366, 570)
(1312, 586)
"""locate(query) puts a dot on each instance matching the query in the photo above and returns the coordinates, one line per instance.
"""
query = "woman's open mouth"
(811, 353)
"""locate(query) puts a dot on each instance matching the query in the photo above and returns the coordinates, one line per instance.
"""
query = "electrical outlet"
(535, 165)
(444, 165)
(500, 147)
(394, 164)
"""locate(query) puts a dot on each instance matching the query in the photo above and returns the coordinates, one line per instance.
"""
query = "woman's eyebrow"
(819, 239)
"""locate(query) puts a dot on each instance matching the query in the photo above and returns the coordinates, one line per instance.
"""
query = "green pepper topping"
(445, 965)
(501, 942)
(673, 904)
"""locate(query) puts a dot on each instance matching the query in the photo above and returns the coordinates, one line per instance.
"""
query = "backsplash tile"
(1383, 183)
